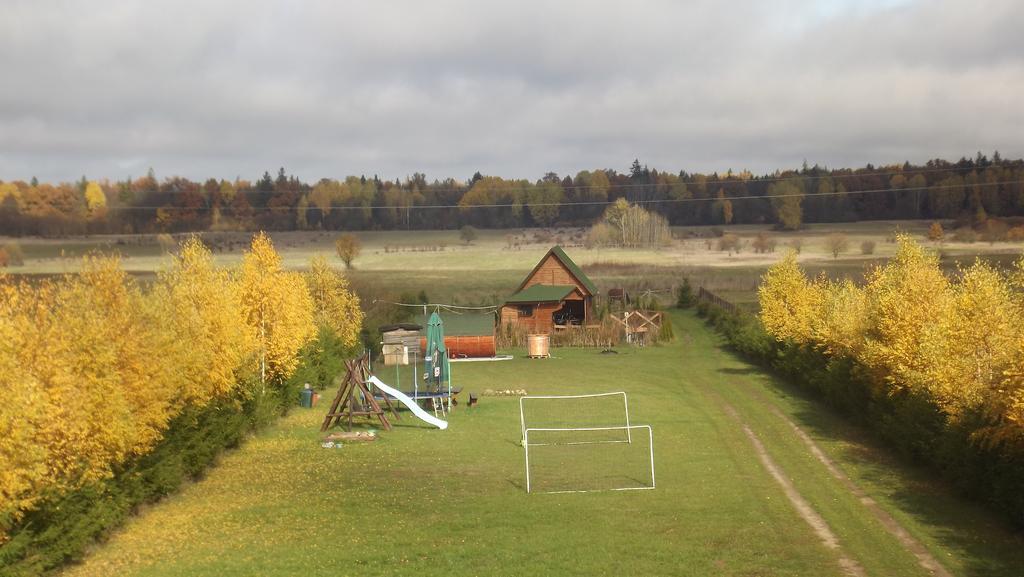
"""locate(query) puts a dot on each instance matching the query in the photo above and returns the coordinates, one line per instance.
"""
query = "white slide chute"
(408, 402)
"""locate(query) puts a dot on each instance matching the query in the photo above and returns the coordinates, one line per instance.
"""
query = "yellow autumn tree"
(978, 341)
(106, 363)
(277, 309)
(789, 302)
(24, 408)
(95, 199)
(335, 306)
(841, 322)
(1006, 410)
(956, 343)
(199, 305)
(82, 384)
(1016, 279)
(93, 370)
(905, 300)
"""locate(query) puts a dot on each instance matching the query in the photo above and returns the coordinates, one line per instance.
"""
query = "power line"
(448, 307)
(588, 203)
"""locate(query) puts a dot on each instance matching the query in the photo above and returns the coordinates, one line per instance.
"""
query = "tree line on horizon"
(969, 190)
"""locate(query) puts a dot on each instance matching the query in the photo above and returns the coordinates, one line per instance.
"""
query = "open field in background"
(396, 262)
(425, 502)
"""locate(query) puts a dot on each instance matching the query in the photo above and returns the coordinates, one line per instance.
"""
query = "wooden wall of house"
(539, 322)
(509, 315)
(553, 272)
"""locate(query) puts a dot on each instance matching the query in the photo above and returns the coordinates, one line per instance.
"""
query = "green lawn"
(426, 502)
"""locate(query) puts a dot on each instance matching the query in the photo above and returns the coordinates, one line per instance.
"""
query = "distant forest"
(969, 190)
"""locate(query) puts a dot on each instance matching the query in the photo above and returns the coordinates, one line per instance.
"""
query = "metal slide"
(408, 402)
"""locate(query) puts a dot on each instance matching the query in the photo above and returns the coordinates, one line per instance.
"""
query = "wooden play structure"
(637, 324)
(360, 390)
(355, 400)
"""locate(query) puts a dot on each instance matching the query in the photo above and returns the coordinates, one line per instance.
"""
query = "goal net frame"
(627, 428)
(625, 409)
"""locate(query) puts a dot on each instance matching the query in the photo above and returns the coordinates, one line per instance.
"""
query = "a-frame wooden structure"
(355, 400)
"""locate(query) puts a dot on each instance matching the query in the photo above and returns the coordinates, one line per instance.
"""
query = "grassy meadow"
(426, 502)
(395, 262)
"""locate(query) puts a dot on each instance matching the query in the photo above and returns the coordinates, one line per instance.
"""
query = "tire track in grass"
(891, 525)
(818, 524)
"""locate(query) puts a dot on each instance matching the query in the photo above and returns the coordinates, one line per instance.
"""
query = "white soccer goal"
(575, 411)
(583, 443)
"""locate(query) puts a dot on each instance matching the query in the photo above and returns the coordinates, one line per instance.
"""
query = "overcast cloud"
(448, 87)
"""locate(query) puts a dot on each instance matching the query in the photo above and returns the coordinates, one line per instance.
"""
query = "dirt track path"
(749, 396)
(912, 545)
(821, 528)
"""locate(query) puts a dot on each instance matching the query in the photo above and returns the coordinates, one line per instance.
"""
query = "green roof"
(542, 293)
(466, 324)
(575, 270)
(569, 264)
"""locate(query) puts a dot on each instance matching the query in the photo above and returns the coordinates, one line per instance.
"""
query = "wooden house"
(556, 293)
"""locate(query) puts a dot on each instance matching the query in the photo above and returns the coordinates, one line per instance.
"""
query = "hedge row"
(64, 525)
(911, 424)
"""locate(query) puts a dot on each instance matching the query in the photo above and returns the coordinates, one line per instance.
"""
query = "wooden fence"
(708, 296)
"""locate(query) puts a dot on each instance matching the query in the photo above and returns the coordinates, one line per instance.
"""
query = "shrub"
(348, 248)
(729, 242)
(684, 295)
(763, 243)
(867, 247)
(837, 243)
(468, 234)
(965, 234)
(1015, 234)
(935, 232)
(600, 235)
(666, 334)
(15, 256)
(994, 231)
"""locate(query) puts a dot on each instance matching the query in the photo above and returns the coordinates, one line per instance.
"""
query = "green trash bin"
(306, 398)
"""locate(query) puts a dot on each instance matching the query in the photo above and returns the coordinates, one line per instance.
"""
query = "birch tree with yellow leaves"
(93, 370)
(957, 342)
(789, 302)
(200, 306)
(277, 309)
(906, 300)
(335, 307)
(83, 377)
(24, 407)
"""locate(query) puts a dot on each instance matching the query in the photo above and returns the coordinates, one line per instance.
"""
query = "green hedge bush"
(912, 425)
(65, 525)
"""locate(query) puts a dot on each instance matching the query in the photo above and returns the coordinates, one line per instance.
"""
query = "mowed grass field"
(424, 502)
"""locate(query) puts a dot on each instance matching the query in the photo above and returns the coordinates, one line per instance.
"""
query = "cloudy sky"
(109, 88)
